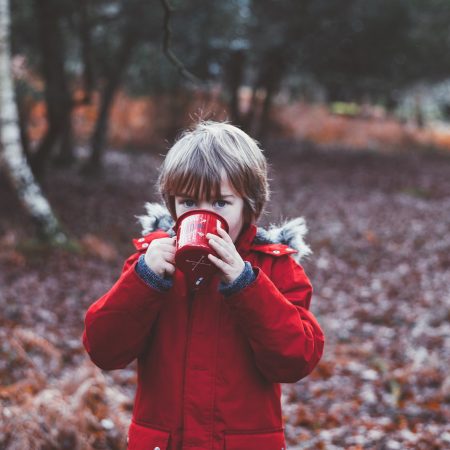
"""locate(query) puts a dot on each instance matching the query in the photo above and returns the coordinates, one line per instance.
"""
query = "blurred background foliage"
(70, 54)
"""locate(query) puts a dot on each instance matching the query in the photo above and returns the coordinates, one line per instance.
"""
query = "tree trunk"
(23, 116)
(57, 95)
(274, 65)
(234, 78)
(419, 118)
(86, 51)
(12, 156)
(112, 84)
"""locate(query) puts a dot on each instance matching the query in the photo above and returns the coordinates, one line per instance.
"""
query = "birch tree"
(11, 153)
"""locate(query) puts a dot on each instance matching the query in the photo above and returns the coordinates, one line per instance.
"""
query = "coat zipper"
(190, 300)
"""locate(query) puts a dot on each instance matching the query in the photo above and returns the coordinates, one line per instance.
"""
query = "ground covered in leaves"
(379, 227)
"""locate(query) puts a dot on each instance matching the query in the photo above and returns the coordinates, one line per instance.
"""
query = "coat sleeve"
(118, 324)
(286, 339)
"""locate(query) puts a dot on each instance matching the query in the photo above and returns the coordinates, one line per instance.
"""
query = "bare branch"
(166, 45)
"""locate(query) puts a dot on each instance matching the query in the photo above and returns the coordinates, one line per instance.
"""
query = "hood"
(289, 232)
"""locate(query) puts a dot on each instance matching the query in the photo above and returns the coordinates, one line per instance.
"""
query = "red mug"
(192, 247)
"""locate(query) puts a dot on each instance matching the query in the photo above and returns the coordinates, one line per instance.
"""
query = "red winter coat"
(209, 366)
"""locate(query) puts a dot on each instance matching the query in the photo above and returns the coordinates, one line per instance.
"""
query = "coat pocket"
(273, 440)
(146, 438)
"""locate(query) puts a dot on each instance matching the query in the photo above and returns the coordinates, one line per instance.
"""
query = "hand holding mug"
(229, 261)
(160, 256)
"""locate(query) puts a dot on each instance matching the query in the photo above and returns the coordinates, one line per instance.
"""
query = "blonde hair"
(194, 166)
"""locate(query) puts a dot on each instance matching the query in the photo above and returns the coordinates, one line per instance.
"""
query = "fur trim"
(290, 232)
(157, 218)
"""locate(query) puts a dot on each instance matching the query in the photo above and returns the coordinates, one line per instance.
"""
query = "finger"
(222, 265)
(221, 250)
(226, 237)
(167, 249)
(172, 240)
(169, 268)
(167, 240)
(225, 249)
(214, 237)
(216, 242)
(166, 246)
(217, 239)
(161, 252)
(170, 257)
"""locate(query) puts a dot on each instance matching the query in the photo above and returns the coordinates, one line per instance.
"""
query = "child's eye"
(187, 203)
(221, 203)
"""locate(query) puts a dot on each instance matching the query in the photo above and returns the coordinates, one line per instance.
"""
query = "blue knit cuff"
(246, 277)
(150, 277)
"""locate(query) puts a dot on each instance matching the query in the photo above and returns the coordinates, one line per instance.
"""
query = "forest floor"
(379, 228)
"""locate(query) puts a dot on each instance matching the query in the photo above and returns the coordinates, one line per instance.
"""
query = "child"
(210, 359)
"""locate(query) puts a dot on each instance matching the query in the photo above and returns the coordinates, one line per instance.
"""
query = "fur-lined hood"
(290, 232)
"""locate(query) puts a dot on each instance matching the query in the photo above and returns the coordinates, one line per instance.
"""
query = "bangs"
(197, 180)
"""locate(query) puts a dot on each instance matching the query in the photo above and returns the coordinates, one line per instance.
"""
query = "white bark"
(11, 153)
